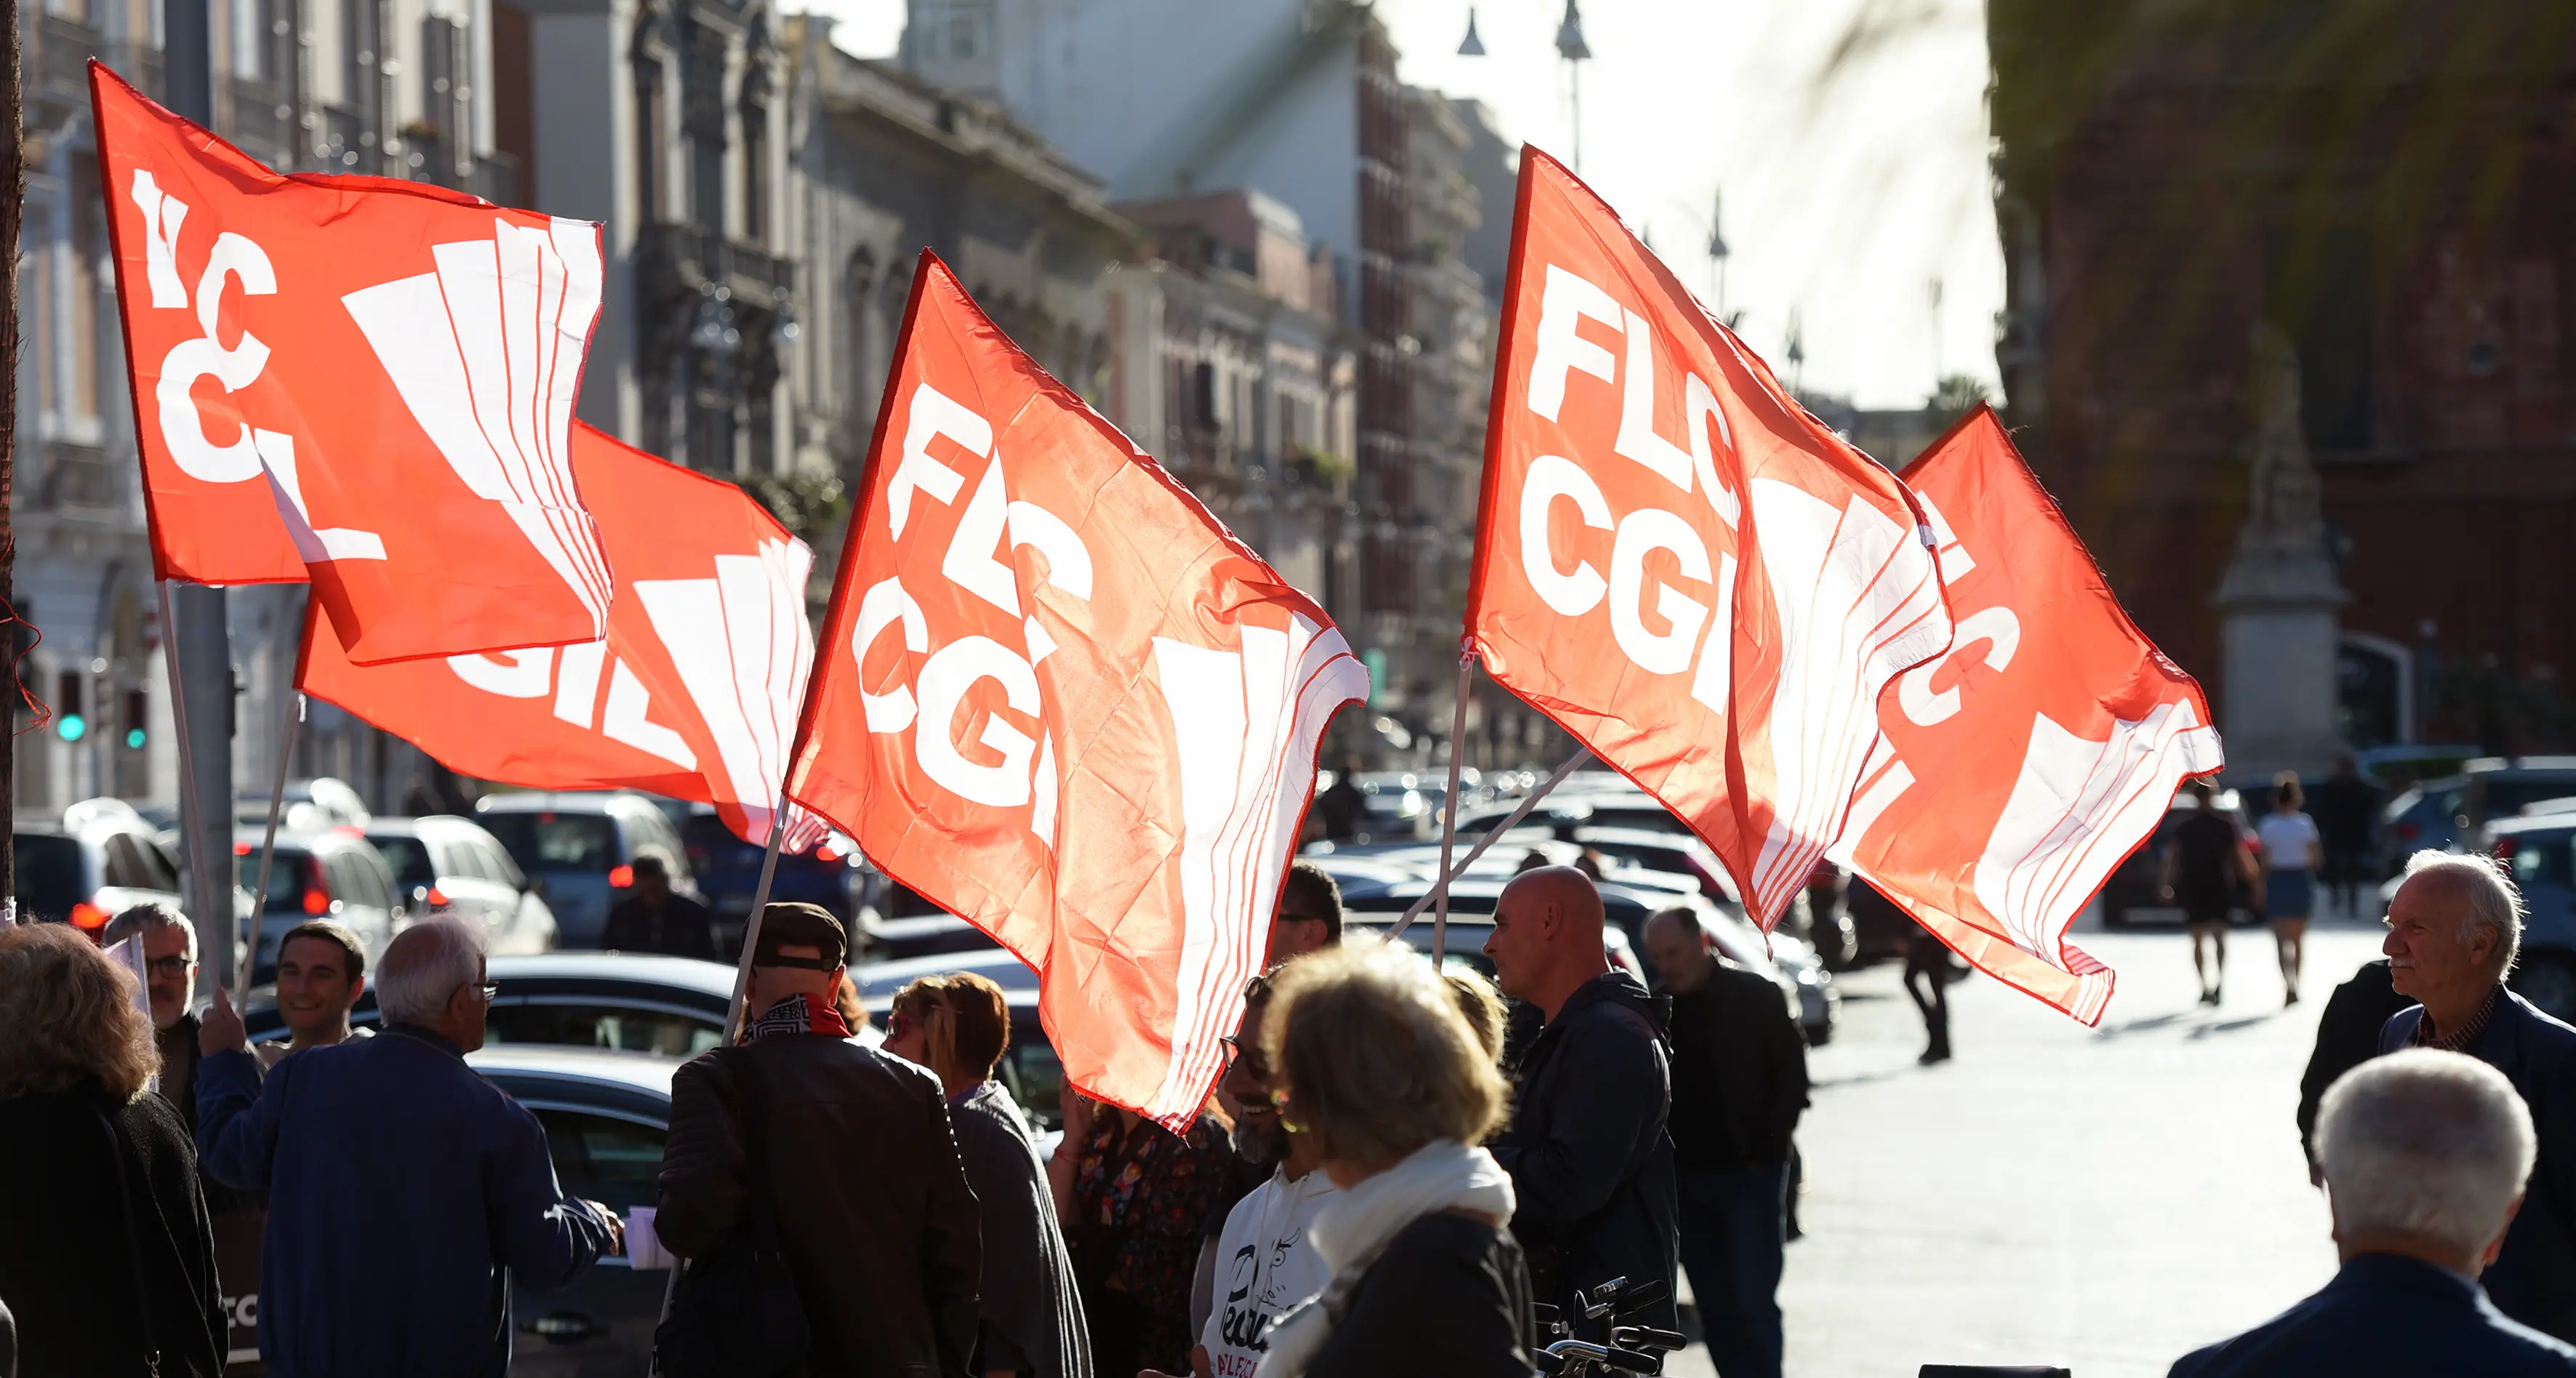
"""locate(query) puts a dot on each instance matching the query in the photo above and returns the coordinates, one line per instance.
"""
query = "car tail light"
(317, 892)
(620, 877)
(437, 897)
(825, 853)
(2408, 832)
(88, 917)
(2505, 847)
(241, 849)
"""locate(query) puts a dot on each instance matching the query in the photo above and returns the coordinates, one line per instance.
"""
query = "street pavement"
(2101, 1200)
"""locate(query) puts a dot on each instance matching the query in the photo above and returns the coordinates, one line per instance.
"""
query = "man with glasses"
(169, 944)
(1309, 918)
(405, 1192)
(1263, 1261)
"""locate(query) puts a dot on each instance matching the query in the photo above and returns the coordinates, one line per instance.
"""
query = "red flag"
(1674, 560)
(2016, 771)
(1059, 699)
(693, 694)
(358, 381)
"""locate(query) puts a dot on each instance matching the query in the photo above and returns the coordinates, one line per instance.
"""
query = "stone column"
(2279, 598)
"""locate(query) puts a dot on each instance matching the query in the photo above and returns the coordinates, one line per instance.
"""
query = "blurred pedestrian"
(655, 918)
(2347, 1036)
(1739, 1085)
(958, 1026)
(1135, 1200)
(2425, 1157)
(107, 1257)
(2203, 865)
(1591, 1164)
(1369, 1059)
(1927, 958)
(1343, 805)
(405, 1193)
(2347, 812)
(1310, 914)
(2291, 857)
(321, 972)
(857, 1174)
(1264, 1262)
(2454, 928)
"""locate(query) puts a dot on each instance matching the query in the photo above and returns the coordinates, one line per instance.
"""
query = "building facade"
(2394, 196)
(1297, 100)
(396, 88)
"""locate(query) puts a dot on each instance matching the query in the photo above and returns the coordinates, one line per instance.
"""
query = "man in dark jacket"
(2346, 809)
(2347, 1036)
(1739, 1083)
(654, 918)
(1586, 1148)
(2425, 1154)
(873, 1211)
(2453, 930)
(405, 1192)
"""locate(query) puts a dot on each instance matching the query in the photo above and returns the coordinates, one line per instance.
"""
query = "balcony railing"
(692, 258)
(85, 479)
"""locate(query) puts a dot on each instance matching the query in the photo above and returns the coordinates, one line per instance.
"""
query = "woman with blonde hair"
(1370, 1052)
(109, 1267)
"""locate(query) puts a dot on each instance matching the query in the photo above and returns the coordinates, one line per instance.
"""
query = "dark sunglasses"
(1249, 1058)
(167, 966)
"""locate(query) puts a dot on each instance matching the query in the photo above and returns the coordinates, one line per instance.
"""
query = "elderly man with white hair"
(2425, 1157)
(2454, 928)
(405, 1192)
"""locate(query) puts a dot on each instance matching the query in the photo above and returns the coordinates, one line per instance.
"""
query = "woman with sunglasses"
(1031, 1321)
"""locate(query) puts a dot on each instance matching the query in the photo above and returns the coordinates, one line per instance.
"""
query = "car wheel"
(2548, 980)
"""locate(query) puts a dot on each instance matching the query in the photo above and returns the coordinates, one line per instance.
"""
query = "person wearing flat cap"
(858, 1165)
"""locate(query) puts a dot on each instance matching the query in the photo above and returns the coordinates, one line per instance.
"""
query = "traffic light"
(70, 723)
(131, 718)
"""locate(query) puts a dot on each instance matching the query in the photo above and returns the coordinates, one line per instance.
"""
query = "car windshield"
(712, 846)
(2507, 796)
(410, 859)
(542, 842)
(49, 876)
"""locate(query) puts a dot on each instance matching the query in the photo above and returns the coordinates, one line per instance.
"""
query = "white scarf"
(1350, 1233)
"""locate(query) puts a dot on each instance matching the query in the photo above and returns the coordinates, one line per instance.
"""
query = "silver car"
(448, 865)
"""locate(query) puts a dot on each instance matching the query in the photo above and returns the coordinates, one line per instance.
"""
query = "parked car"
(2135, 890)
(444, 864)
(306, 806)
(727, 872)
(581, 847)
(2496, 787)
(101, 858)
(606, 1115)
(337, 875)
(2541, 849)
(2427, 816)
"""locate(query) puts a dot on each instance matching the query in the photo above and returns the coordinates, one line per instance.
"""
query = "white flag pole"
(268, 853)
(1510, 821)
(1449, 808)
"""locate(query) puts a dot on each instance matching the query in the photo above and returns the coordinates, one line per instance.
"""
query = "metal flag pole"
(190, 833)
(1449, 809)
(268, 849)
(1510, 821)
(751, 926)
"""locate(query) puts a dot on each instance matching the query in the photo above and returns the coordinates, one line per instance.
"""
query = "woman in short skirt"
(2290, 859)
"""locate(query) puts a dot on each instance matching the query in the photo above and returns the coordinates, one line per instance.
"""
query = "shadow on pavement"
(2229, 1025)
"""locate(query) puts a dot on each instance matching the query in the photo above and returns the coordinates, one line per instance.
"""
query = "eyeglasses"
(167, 966)
(1250, 1059)
(490, 989)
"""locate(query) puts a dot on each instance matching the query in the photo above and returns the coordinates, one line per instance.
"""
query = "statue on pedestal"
(2280, 594)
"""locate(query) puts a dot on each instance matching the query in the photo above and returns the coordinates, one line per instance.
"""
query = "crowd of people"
(1401, 1169)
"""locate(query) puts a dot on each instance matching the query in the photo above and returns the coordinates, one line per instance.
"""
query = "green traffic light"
(71, 727)
(134, 738)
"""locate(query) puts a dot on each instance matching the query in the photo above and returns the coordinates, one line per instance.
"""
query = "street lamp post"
(1571, 47)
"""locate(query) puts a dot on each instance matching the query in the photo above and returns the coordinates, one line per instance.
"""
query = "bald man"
(1591, 1164)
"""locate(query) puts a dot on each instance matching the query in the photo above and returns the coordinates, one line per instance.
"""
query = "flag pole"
(1449, 808)
(1510, 821)
(268, 852)
(751, 925)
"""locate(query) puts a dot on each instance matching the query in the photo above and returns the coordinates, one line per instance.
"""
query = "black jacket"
(2386, 1317)
(2347, 1036)
(1032, 1312)
(873, 1211)
(1590, 1161)
(2533, 1279)
(1451, 1295)
(683, 928)
(1739, 1072)
(64, 1264)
